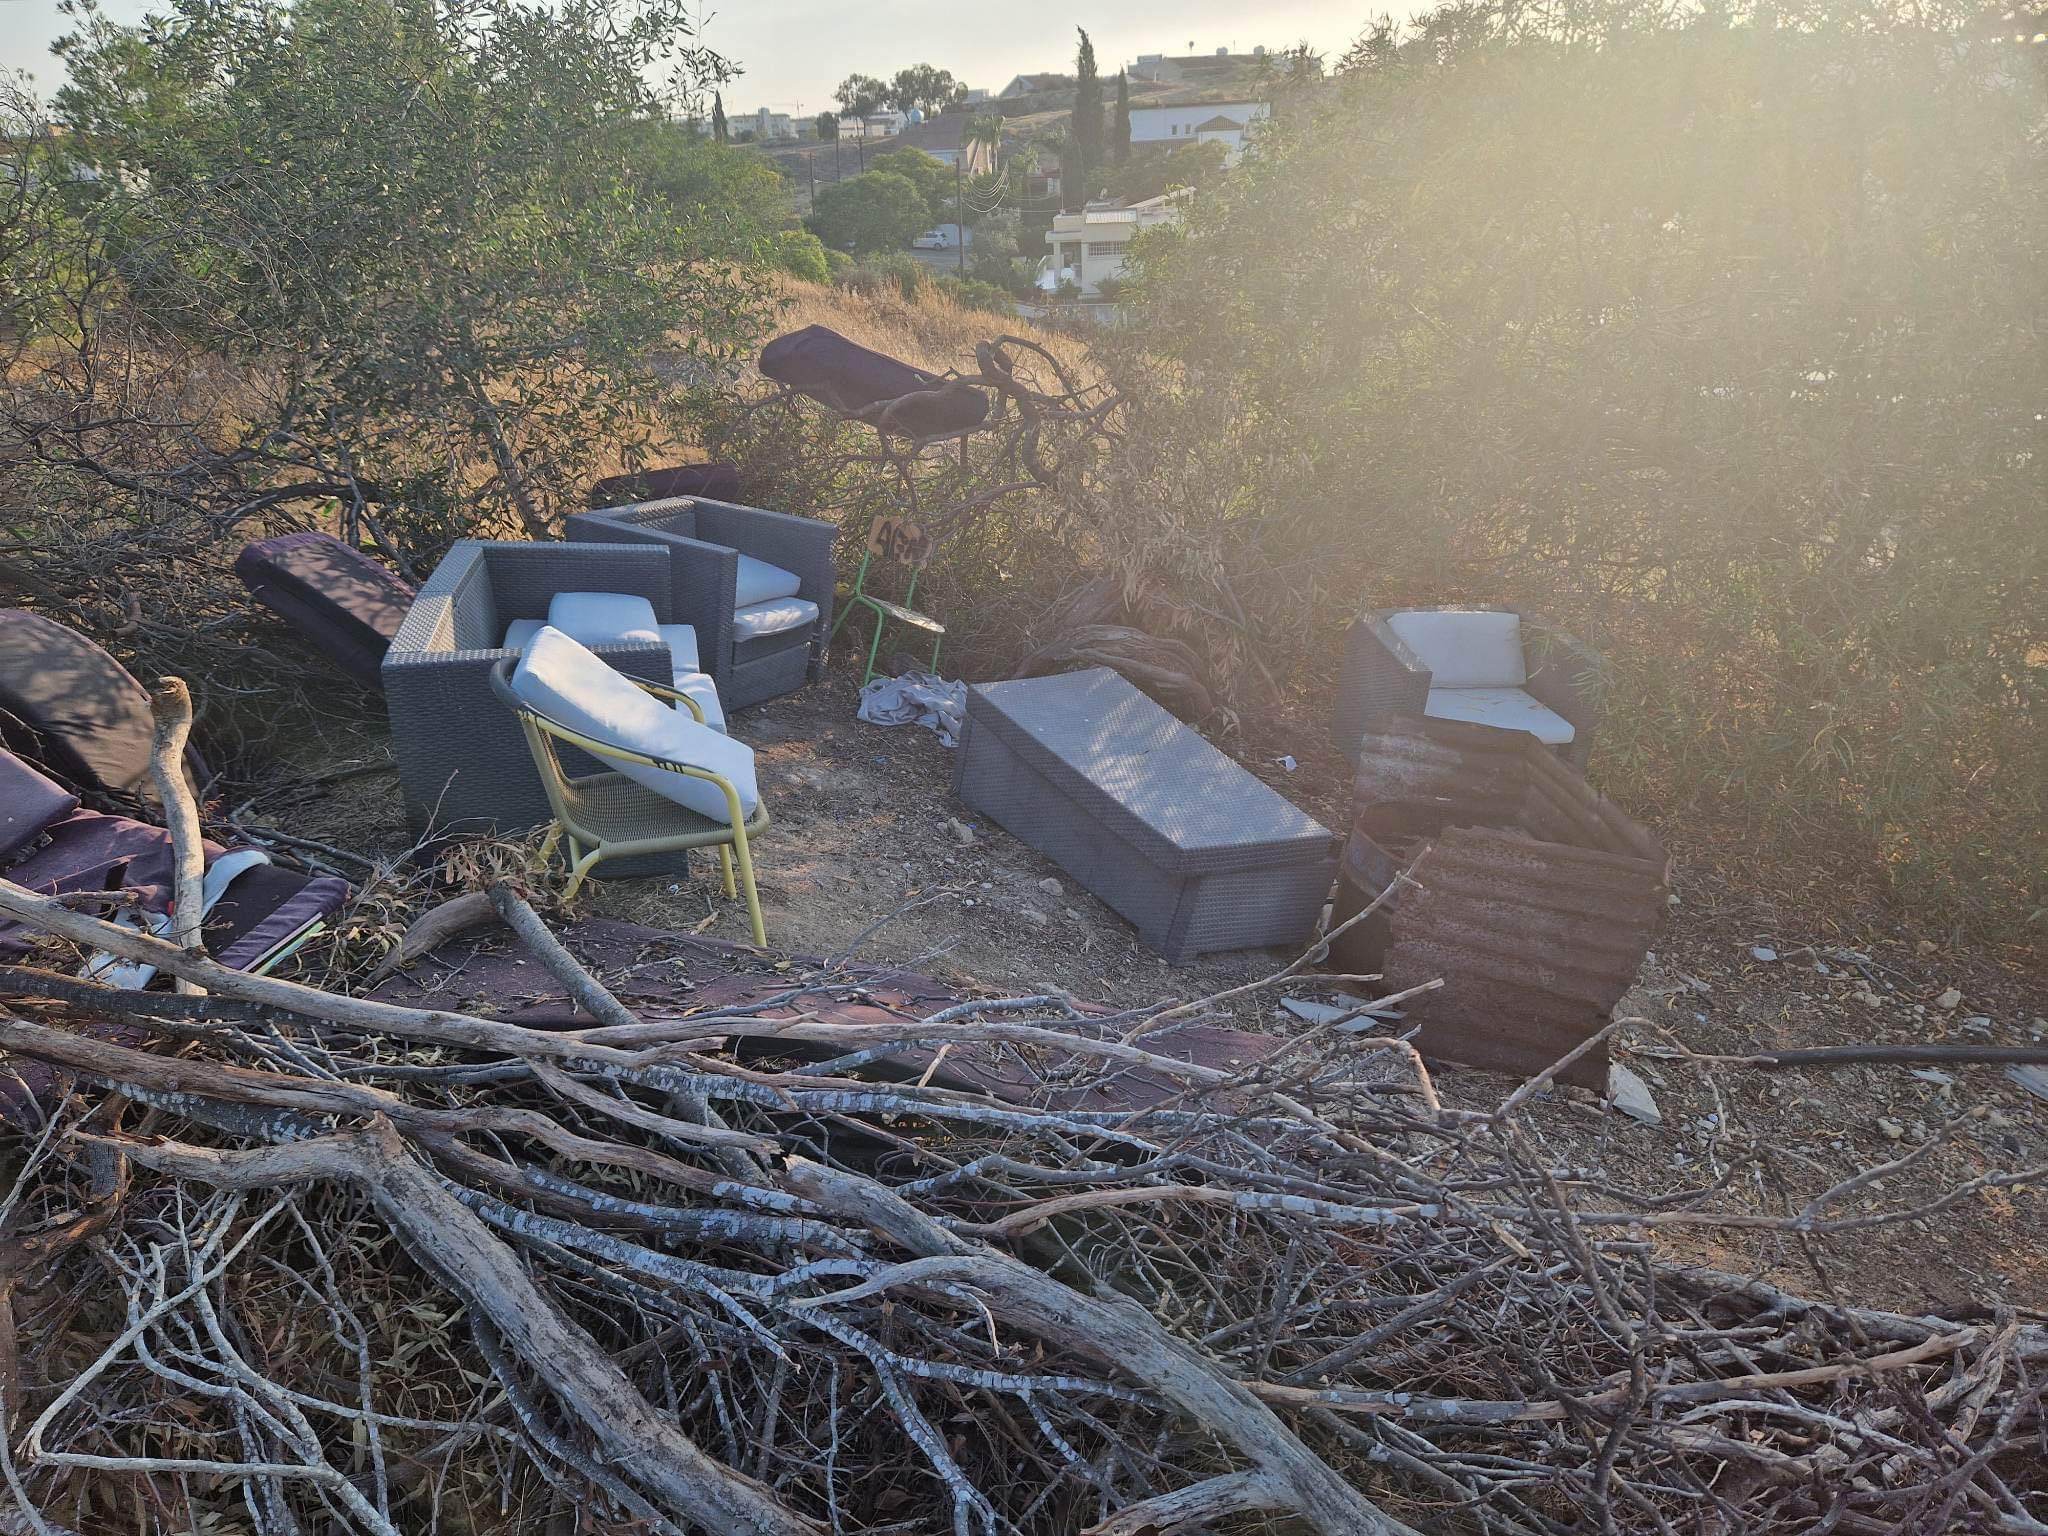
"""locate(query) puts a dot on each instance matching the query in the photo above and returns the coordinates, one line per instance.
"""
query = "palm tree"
(987, 128)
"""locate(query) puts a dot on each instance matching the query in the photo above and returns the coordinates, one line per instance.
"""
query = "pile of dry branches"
(345, 1265)
(351, 1265)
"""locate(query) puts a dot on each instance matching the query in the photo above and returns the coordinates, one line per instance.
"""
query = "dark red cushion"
(337, 597)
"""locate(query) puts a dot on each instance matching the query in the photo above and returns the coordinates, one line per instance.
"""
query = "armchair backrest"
(1464, 647)
(667, 514)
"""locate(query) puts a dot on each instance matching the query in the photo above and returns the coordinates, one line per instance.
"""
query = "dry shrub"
(1716, 338)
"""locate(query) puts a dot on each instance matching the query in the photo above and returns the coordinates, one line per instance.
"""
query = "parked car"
(932, 240)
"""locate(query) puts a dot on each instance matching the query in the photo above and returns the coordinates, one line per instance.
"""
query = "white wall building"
(769, 126)
(1089, 247)
(1228, 123)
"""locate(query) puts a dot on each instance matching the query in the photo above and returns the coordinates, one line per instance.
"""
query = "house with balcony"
(1228, 123)
(1089, 248)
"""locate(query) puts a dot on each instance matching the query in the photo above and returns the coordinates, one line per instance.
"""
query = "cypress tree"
(1120, 140)
(717, 117)
(1087, 134)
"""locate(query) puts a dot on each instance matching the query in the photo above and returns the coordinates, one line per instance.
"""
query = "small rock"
(1051, 887)
(1924, 947)
(1918, 1130)
(2033, 1079)
(1631, 1095)
(1762, 952)
(1978, 1023)
(1671, 900)
(1073, 912)
(1867, 997)
(1934, 1075)
(962, 833)
(1034, 917)
(1890, 1128)
(1289, 764)
(1948, 999)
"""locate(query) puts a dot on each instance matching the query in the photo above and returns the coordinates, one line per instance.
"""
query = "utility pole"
(960, 207)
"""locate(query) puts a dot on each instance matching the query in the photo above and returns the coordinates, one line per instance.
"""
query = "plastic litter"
(916, 698)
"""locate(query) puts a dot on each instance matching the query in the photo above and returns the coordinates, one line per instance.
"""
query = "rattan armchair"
(605, 815)
(462, 760)
(705, 540)
(1382, 675)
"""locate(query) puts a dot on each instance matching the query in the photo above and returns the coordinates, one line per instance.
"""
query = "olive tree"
(416, 229)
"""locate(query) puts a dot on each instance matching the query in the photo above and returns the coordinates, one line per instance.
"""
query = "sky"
(794, 52)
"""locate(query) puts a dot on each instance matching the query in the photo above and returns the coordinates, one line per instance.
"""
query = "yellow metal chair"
(609, 816)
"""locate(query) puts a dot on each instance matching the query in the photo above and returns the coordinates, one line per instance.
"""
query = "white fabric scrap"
(916, 698)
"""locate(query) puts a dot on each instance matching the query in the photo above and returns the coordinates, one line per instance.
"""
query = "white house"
(1228, 123)
(1089, 247)
(769, 126)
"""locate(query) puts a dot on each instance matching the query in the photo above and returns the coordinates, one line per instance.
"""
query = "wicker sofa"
(462, 757)
(1488, 666)
(716, 549)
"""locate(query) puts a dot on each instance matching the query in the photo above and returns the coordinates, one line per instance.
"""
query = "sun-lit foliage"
(1717, 337)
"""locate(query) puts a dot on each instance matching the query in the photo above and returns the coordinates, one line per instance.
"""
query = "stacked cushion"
(1465, 647)
(1476, 667)
(760, 582)
(563, 680)
(1507, 709)
(618, 618)
(776, 617)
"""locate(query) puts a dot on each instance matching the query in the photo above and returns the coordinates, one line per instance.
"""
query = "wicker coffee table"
(1137, 807)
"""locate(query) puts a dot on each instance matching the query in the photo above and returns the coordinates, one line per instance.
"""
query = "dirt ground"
(870, 856)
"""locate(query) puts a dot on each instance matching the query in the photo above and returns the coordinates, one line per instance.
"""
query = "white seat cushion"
(1508, 708)
(570, 685)
(699, 686)
(760, 582)
(681, 641)
(601, 618)
(778, 617)
(1464, 647)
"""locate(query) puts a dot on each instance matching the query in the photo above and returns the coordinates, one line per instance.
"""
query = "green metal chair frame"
(609, 815)
(884, 610)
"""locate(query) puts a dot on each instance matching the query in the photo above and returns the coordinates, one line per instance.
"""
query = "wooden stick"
(170, 707)
(443, 1234)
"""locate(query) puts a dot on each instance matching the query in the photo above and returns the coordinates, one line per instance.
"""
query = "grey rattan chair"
(705, 540)
(462, 759)
(1383, 676)
(607, 816)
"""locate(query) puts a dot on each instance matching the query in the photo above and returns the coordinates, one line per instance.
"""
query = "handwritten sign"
(894, 538)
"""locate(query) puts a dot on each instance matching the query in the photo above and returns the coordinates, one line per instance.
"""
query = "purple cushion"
(337, 597)
(30, 804)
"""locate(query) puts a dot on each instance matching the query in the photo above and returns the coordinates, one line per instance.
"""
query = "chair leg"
(580, 866)
(874, 645)
(746, 862)
(725, 870)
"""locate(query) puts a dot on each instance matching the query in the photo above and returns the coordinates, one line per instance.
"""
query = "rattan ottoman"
(1173, 835)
